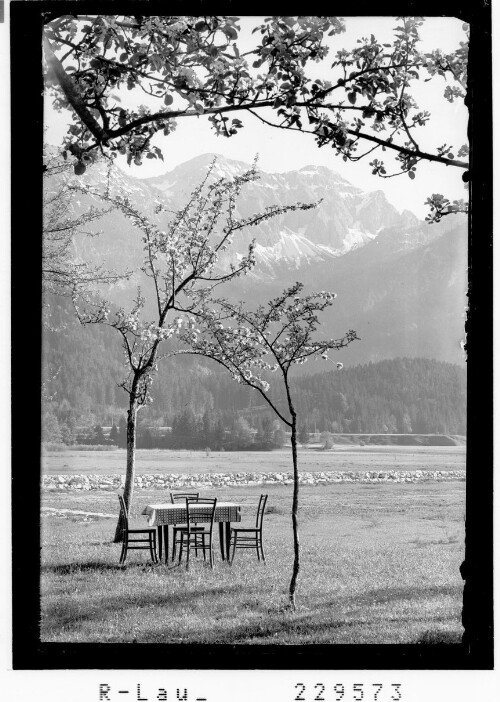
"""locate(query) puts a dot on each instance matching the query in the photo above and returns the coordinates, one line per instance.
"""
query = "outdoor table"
(164, 515)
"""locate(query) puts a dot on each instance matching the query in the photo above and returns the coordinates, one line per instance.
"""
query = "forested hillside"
(401, 283)
(83, 368)
(416, 395)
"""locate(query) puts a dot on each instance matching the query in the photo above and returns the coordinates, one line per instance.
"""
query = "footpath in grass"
(380, 564)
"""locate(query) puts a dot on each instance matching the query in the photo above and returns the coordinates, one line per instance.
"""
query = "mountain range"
(401, 282)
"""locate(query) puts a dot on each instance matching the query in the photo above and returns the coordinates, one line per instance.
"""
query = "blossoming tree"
(254, 345)
(292, 73)
(63, 224)
(182, 268)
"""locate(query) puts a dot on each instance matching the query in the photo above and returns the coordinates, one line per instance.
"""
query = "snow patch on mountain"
(292, 247)
(345, 218)
(356, 237)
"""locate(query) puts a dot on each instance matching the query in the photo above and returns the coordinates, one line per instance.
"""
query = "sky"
(281, 151)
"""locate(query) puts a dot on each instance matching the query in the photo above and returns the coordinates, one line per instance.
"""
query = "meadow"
(341, 458)
(379, 562)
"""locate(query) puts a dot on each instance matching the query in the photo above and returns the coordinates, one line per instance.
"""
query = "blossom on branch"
(182, 266)
(253, 344)
(198, 67)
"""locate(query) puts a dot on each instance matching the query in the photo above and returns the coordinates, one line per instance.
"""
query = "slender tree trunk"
(130, 471)
(295, 505)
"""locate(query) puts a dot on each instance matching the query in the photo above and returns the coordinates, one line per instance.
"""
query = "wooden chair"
(182, 497)
(130, 542)
(195, 535)
(250, 537)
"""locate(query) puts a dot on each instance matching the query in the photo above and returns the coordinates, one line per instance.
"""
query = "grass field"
(340, 458)
(380, 562)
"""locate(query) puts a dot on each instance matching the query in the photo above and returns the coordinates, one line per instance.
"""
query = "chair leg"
(234, 549)
(152, 547)
(262, 550)
(165, 541)
(160, 542)
(222, 540)
(181, 546)
(123, 554)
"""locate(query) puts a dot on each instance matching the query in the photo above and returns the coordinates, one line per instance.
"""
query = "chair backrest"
(201, 510)
(260, 511)
(181, 496)
(123, 510)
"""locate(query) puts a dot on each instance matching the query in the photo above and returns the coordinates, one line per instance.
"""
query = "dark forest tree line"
(219, 431)
(419, 396)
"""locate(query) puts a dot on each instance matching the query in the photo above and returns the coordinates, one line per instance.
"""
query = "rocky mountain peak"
(346, 218)
(401, 282)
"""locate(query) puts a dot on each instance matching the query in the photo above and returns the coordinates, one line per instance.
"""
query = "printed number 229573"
(357, 692)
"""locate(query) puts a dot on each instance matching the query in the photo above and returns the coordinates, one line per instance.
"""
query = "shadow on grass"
(280, 629)
(60, 615)
(385, 595)
(273, 509)
(277, 628)
(439, 637)
(325, 623)
(305, 624)
(71, 568)
(449, 540)
(306, 630)
(313, 623)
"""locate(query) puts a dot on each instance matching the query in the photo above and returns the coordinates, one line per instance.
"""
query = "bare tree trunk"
(130, 471)
(295, 505)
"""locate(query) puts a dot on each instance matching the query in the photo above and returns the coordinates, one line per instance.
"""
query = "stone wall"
(216, 480)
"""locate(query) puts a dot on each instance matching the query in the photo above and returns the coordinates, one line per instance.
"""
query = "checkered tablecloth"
(175, 514)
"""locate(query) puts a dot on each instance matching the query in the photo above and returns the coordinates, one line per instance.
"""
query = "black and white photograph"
(261, 272)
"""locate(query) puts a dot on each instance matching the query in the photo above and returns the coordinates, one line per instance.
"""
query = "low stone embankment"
(212, 480)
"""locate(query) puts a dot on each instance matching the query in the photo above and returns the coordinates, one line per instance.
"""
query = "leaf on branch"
(230, 32)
